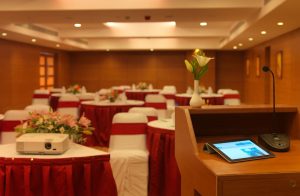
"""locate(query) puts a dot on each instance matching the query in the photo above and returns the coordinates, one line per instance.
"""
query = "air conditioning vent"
(39, 29)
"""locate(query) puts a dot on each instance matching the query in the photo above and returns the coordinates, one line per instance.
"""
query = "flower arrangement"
(198, 65)
(142, 86)
(74, 89)
(113, 95)
(54, 122)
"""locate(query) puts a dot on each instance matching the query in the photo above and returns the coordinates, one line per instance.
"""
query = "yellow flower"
(189, 67)
(202, 60)
(198, 66)
(87, 132)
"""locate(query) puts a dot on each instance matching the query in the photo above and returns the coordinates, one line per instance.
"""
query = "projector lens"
(48, 145)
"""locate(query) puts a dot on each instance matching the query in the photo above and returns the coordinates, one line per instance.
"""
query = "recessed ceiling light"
(110, 24)
(250, 39)
(77, 25)
(240, 44)
(263, 32)
(203, 24)
(57, 45)
(4, 34)
(33, 40)
(151, 49)
(234, 47)
(280, 23)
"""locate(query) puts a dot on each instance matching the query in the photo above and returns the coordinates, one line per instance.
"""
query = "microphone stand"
(275, 141)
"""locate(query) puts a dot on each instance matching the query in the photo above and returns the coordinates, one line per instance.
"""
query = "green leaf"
(201, 72)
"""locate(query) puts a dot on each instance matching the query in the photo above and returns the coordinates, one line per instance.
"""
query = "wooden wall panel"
(230, 69)
(98, 70)
(287, 88)
(19, 73)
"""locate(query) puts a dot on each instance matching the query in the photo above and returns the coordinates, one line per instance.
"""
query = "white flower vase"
(196, 100)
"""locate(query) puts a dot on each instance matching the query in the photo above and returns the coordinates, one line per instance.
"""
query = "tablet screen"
(240, 150)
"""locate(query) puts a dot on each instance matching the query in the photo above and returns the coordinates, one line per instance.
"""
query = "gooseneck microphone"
(274, 141)
(267, 69)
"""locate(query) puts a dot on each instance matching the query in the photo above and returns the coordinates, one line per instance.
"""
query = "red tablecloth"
(139, 95)
(164, 175)
(88, 176)
(101, 117)
(181, 101)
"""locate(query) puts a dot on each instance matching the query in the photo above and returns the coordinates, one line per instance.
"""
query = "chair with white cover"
(56, 90)
(69, 104)
(128, 153)
(41, 96)
(169, 92)
(86, 97)
(38, 108)
(231, 97)
(11, 119)
(159, 102)
(150, 112)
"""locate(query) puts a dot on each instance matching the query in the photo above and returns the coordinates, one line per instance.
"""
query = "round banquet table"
(183, 99)
(101, 114)
(139, 94)
(53, 102)
(164, 175)
(1, 119)
(79, 171)
(213, 99)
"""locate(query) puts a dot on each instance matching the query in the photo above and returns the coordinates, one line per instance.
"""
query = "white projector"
(42, 143)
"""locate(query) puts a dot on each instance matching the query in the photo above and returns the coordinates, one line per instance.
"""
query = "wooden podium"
(209, 175)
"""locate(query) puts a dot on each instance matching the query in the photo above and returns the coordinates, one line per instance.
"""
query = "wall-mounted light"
(33, 40)
(77, 25)
(203, 24)
(4, 34)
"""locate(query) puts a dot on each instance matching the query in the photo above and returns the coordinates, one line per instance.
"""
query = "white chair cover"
(129, 156)
(14, 117)
(38, 108)
(231, 97)
(159, 102)
(41, 96)
(68, 104)
(150, 112)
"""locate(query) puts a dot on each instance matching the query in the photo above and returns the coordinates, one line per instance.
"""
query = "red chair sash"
(43, 96)
(169, 96)
(151, 118)
(128, 128)
(232, 96)
(68, 104)
(9, 125)
(156, 105)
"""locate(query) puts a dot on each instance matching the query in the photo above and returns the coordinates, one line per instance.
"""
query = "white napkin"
(123, 97)
(83, 90)
(189, 90)
(96, 97)
(209, 90)
(133, 86)
(150, 86)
